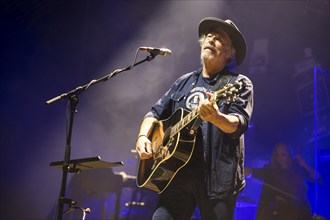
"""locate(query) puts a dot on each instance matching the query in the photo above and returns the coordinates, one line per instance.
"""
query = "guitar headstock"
(229, 92)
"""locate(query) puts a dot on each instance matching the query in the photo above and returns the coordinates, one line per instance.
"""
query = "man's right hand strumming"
(143, 147)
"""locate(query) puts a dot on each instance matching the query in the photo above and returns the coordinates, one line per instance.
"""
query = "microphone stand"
(73, 100)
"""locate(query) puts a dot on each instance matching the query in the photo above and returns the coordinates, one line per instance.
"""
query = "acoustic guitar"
(173, 142)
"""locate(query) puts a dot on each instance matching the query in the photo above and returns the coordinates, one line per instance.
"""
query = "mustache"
(209, 47)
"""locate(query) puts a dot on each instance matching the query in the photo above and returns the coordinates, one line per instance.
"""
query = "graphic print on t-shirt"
(196, 96)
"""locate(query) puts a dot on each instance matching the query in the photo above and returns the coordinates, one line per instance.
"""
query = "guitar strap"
(222, 81)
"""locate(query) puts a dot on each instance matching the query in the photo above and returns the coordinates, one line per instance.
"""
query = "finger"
(207, 108)
(139, 151)
(145, 156)
(208, 95)
(140, 148)
(210, 106)
(148, 147)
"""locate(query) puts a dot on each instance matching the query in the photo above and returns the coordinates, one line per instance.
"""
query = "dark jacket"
(223, 154)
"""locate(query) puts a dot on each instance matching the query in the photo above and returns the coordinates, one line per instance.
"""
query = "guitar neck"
(184, 122)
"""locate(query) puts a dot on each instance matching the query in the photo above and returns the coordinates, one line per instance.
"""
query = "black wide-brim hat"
(209, 24)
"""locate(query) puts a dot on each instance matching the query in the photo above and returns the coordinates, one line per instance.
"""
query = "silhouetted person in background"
(284, 191)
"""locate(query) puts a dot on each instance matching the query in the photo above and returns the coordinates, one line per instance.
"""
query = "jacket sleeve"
(242, 107)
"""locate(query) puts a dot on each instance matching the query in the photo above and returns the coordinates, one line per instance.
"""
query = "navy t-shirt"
(194, 98)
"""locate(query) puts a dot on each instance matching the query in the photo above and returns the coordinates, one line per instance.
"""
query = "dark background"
(51, 47)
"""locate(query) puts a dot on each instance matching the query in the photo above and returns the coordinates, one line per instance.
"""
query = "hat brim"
(209, 24)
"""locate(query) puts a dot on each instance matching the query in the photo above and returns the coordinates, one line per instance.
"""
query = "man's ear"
(228, 55)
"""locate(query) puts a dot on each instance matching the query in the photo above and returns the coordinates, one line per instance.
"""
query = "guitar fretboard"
(184, 122)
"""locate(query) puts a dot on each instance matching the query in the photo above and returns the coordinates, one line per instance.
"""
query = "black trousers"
(188, 190)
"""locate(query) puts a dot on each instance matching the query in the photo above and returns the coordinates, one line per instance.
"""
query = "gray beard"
(205, 56)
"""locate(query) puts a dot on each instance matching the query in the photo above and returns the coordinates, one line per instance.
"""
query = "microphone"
(156, 51)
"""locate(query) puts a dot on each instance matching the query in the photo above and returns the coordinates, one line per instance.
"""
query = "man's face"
(216, 45)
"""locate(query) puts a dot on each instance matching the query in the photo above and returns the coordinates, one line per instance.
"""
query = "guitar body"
(171, 152)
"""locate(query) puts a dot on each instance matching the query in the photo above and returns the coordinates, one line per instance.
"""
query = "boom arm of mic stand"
(80, 89)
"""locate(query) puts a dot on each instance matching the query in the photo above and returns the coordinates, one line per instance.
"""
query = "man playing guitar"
(191, 144)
